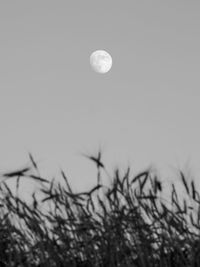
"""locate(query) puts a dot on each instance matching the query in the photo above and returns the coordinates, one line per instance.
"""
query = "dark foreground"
(127, 224)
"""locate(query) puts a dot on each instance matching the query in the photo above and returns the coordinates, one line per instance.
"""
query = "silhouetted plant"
(127, 223)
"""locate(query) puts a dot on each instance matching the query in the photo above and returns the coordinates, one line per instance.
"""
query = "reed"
(128, 223)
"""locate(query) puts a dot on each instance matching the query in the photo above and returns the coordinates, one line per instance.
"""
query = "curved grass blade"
(17, 173)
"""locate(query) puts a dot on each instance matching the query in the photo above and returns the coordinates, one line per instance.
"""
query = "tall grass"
(128, 223)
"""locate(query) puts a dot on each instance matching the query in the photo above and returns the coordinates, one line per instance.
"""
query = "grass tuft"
(128, 223)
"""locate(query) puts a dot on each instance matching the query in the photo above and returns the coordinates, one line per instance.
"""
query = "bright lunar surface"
(101, 61)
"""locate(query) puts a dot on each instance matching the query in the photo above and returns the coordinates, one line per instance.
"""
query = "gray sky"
(145, 110)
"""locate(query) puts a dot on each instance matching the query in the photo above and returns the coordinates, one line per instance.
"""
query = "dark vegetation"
(126, 224)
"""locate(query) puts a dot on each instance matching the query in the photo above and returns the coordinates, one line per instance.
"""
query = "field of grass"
(128, 223)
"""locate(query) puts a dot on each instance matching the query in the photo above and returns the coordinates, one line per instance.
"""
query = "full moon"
(101, 61)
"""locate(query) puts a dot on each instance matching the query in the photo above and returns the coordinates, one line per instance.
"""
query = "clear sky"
(52, 104)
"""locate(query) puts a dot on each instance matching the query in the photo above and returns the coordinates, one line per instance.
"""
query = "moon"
(101, 61)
